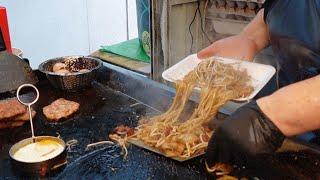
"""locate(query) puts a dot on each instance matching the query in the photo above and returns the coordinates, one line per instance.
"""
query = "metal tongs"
(29, 104)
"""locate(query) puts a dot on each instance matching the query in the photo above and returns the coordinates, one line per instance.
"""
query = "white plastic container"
(260, 73)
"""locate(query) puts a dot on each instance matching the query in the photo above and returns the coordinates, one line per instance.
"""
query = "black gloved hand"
(243, 135)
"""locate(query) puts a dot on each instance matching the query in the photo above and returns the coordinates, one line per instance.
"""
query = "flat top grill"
(101, 110)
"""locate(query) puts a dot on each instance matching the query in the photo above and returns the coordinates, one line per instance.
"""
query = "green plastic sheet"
(130, 49)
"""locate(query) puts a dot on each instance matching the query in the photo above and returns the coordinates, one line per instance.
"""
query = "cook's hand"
(236, 47)
(243, 135)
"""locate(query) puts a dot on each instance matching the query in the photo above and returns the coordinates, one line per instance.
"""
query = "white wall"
(45, 29)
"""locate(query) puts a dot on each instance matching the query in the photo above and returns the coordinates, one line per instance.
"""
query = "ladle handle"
(29, 104)
(31, 123)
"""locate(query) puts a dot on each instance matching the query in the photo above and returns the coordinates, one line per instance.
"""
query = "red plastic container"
(5, 28)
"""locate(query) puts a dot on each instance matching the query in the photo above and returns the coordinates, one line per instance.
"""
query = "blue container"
(143, 18)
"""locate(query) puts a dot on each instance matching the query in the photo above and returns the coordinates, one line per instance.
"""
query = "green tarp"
(130, 49)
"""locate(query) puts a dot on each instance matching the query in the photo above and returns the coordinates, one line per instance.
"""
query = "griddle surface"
(100, 112)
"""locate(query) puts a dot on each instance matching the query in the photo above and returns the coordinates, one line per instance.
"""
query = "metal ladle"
(38, 168)
(29, 104)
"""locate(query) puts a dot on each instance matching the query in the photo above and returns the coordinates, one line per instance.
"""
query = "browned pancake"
(24, 116)
(11, 124)
(10, 108)
(60, 108)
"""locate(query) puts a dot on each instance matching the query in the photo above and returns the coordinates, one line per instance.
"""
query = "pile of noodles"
(176, 137)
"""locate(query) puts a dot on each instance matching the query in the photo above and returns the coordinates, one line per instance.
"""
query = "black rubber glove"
(242, 136)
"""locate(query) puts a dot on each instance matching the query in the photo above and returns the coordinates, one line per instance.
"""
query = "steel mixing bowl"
(75, 80)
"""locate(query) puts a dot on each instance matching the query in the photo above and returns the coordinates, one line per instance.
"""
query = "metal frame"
(170, 36)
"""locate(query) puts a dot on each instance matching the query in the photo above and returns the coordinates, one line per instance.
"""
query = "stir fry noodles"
(183, 138)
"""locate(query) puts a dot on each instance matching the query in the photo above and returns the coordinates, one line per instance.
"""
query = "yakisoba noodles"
(176, 137)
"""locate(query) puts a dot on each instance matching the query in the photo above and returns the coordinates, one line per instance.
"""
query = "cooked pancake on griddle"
(10, 124)
(17, 121)
(25, 116)
(10, 108)
(60, 108)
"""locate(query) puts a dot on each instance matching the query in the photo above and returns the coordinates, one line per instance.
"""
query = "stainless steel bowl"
(71, 81)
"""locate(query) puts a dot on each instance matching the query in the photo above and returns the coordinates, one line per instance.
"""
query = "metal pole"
(127, 19)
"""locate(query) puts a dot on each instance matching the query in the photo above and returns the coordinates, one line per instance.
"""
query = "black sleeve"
(267, 6)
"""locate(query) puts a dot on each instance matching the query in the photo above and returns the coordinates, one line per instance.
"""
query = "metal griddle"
(122, 97)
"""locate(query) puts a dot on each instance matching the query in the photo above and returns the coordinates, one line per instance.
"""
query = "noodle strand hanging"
(176, 137)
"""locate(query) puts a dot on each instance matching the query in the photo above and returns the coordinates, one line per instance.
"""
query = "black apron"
(294, 29)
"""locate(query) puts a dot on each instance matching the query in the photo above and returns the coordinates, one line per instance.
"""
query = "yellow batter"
(38, 151)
